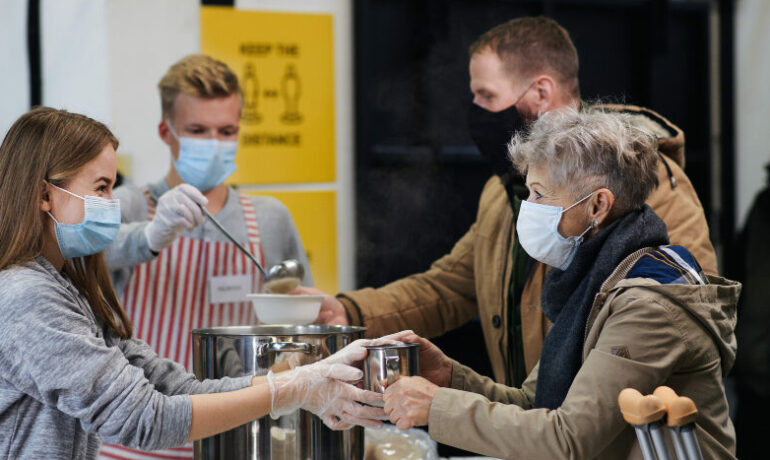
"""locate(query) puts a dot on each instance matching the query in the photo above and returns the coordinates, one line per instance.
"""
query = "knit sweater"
(66, 381)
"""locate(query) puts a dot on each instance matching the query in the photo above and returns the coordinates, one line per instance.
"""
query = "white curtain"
(752, 108)
(14, 78)
(104, 58)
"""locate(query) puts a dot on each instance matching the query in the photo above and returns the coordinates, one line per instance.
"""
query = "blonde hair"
(586, 150)
(197, 75)
(50, 145)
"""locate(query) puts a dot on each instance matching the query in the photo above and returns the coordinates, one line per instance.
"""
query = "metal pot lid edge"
(392, 345)
(277, 329)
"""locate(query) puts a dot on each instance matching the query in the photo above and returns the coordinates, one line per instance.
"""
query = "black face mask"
(491, 132)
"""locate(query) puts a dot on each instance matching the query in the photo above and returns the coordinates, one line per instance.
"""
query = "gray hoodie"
(66, 381)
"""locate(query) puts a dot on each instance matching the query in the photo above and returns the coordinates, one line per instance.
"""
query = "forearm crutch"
(681, 415)
(645, 414)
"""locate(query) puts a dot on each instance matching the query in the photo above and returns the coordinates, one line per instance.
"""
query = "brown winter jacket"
(473, 278)
(640, 334)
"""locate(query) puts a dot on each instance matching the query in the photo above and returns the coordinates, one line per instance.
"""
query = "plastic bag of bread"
(390, 443)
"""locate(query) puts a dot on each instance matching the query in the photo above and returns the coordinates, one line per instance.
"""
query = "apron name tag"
(230, 288)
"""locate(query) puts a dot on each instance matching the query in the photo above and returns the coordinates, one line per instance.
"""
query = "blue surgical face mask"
(538, 229)
(204, 163)
(98, 230)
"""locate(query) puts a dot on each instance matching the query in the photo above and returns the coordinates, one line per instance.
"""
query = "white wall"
(104, 58)
(752, 55)
(14, 78)
(146, 37)
(75, 58)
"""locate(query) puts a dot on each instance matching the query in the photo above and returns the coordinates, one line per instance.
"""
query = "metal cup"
(388, 362)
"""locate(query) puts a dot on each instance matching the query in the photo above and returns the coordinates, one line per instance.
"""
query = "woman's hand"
(434, 364)
(407, 402)
(324, 389)
(355, 352)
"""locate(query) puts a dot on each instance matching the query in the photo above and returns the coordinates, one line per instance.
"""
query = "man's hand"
(407, 402)
(332, 310)
(434, 364)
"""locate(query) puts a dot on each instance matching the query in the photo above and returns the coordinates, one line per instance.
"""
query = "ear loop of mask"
(591, 224)
(171, 129)
(524, 94)
(63, 190)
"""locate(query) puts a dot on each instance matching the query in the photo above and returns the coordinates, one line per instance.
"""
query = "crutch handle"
(638, 409)
(681, 409)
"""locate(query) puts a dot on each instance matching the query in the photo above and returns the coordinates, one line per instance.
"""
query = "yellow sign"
(316, 220)
(286, 68)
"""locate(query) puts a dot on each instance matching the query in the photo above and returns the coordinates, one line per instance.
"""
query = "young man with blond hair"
(173, 269)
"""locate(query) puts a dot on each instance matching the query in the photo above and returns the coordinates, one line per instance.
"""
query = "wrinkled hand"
(332, 310)
(177, 209)
(434, 364)
(322, 389)
(407, 402)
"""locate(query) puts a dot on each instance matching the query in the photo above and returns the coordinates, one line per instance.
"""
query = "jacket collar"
(713, 305)
(670, 137)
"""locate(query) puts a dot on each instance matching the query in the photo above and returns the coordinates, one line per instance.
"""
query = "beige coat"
(639, 334)
(473, 278)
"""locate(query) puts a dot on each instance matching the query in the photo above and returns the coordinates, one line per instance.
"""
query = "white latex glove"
(355, 352)
(322, 388)
(177, 209)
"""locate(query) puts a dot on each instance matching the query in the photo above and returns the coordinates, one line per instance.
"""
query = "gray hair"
(587, 150)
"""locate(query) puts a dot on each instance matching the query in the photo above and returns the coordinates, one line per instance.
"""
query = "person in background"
(751, 266)
(173, 269)
(71, 373)
(628, 310)
(519, 70)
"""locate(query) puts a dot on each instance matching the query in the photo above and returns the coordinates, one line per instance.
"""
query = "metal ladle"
(281, 278)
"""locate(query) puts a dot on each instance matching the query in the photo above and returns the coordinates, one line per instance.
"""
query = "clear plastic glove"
(177, 209)
(355, 351)
(323, 389)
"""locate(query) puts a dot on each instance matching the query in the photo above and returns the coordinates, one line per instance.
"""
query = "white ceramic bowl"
(285, 308)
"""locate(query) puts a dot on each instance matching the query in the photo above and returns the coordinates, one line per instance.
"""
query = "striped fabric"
(669, 265)
(168, 297)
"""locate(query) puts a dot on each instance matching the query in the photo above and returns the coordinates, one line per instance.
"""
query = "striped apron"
(167, 297)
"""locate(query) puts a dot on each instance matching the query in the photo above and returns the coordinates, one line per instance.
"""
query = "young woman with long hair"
(70, 373)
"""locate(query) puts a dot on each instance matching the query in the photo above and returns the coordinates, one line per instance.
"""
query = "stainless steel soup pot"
(254, 350)
(387, 362)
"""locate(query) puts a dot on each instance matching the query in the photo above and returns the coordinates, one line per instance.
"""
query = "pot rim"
(392, 346)
(273, 330)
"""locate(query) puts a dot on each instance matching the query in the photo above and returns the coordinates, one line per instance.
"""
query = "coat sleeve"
(589, 419)
(466, 379)
(679, 207)
(431, 303)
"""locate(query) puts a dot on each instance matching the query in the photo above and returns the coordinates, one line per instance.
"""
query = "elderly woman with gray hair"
(627, 310)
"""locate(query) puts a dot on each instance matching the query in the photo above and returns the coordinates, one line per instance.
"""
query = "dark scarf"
(568, 296)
